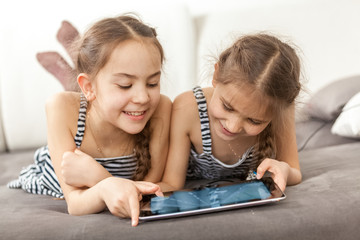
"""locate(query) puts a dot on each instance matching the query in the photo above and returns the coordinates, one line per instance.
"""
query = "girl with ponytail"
(244, 122)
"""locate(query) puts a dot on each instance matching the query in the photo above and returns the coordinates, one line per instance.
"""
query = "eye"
(125, 86)
(227, 108)
(153, 85)
(254, 122)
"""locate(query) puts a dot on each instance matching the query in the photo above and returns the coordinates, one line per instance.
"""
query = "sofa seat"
(324, 206)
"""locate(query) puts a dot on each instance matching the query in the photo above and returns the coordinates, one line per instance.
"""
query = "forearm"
(165, 187)
(294, 176)
(85, 201)
(81, 170)
(99, 173)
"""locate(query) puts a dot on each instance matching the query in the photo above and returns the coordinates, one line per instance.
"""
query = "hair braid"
(142, 153)
(266, 145)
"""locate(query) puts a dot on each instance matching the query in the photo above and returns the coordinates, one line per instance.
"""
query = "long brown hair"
(272, 68)
(94, 50)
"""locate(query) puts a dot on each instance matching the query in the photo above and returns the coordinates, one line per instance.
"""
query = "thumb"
(147, 187)
(67, 154)
(260, 171)
(78, 151)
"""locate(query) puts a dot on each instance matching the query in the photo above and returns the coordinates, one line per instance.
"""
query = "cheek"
(155, 97)
(215, 110)
(253, 130)
(118, 100)
(113, 103)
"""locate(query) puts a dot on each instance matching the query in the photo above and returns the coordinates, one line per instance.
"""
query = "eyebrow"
(134, 76)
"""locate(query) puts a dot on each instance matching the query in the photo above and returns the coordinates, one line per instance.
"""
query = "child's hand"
(78, 169)
(279, 171)
(122, 196)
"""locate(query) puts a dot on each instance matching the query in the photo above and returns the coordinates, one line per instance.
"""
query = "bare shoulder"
(185, 111)
(165, 103)
(184, 101)
(64, 100)
(162, 114)
(63, 106)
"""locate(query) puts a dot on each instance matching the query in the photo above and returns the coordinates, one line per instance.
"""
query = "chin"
(134, 130)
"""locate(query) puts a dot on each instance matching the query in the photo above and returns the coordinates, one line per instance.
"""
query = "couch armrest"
(2, 137)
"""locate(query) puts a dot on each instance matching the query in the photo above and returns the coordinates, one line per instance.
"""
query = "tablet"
(212, 197)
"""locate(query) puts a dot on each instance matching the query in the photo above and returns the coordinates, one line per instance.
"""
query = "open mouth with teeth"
(135, 113)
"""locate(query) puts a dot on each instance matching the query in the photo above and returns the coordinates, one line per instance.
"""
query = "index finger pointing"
(134, 211)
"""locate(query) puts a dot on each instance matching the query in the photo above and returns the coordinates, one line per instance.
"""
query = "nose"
(141, 95)
(234, 125)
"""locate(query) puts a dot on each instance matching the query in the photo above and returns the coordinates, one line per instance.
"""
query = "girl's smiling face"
(237, 111)
(128, 86)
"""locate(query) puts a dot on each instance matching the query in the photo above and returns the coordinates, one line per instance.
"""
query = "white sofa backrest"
(2, 136)
(326, 32)
(31, 28)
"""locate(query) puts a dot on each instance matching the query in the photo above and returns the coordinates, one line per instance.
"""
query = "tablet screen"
(210, 197)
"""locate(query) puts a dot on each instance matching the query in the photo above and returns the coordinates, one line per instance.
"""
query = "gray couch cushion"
(316, 133)
(323, 206)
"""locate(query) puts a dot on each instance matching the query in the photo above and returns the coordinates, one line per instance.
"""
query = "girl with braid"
(109, 142)
(243, 123)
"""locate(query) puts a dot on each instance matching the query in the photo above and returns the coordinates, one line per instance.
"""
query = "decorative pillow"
(348, 123)
(327, 103)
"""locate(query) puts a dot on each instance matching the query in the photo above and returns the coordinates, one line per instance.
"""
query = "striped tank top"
(40, 177)
(205, 165)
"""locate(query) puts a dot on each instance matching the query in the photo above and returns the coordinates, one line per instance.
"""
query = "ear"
(216, 72)
(86, 86)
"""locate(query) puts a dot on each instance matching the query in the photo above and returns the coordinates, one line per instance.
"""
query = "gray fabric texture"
(324, 206)
(316, 133)
(327, 103)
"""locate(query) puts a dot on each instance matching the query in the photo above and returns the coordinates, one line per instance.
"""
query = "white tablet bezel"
(252, 203)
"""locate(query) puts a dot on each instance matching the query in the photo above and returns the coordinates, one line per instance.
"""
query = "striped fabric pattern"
(40, 177)
(205, 165)
(81, 121)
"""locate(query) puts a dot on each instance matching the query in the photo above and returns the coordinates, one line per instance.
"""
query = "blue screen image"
(209, 197)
